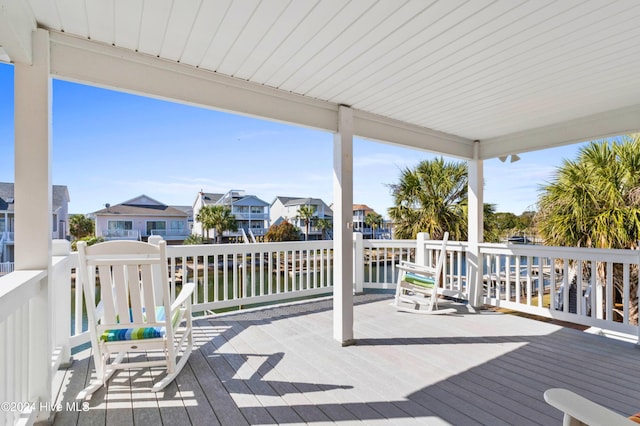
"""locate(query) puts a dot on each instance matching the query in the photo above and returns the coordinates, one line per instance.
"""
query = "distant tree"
(80, 226)
(205, 217)
(324, 225)
(222, 220)
(306, 214)
(193, 239)
(429, 198)
(216, 217)
(491, 232)
(373, 220)
(90, 240)
(526, 222)
(284, 231)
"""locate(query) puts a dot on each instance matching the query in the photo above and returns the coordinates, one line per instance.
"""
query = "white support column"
(476, 227)
(343, 227)
(33, 218)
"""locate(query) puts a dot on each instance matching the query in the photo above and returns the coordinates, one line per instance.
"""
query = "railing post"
(358, 263)
(421, 252)
(61, 303)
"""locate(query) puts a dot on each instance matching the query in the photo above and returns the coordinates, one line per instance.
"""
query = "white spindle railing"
(566, 283)
(380, 258)
(231, 275)
(21, 327)
(6, 267)
(238, 275)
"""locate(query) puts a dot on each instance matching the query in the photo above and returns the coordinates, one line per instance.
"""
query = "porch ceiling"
(516, 75)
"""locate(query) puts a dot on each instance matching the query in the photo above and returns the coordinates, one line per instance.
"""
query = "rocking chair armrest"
(576, 407)
(187, 291)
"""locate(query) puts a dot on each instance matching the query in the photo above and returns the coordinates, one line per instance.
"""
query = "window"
(3, 227)
(258, 210)
(120, 225)
(176, 225)
(156, 227)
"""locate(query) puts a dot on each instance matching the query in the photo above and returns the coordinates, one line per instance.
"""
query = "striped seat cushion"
(140, 333)
(419, 280)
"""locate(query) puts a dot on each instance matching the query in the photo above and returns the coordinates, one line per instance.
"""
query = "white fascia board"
(387, 130)
(17, 25)
(89, 62)
(610, 123)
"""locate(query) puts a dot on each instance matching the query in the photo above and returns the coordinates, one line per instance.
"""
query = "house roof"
(210, 197)
(250, 200)
(362, 207)
(141, 206)
(437, 75)
(60, 196)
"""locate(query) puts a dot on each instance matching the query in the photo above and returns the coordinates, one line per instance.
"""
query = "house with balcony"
(286, 208)
(360, 212)
(476, 80)
(250, 212)
(59, 218)
(140, 218)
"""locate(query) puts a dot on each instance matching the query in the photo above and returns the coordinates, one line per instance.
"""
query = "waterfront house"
(474, 80)
(286, 208)
(59, 217)
(139, 218)
(250, 212)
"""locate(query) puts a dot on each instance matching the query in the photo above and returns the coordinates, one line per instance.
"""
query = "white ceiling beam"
(102, 65)
(383, 129)
(597, 126)
(17, 24)
(85, 61)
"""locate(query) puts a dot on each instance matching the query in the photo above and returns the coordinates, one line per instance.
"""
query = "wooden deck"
(281, 366)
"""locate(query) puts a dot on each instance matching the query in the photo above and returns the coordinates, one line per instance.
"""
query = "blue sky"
(109, 147)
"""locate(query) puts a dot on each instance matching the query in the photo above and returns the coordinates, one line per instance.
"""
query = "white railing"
(379, 260)
(238, 275)
(170, 232)
(565, 283)
(121, 233)
(8, 236)
(576, 285)
(231, 275)
(24, 373)
(250, 216)
(6, 267)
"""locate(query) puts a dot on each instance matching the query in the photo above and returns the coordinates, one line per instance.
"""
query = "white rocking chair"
(130, 316)
(418, 285)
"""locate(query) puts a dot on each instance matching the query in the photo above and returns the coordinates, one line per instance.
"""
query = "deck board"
(280, 365)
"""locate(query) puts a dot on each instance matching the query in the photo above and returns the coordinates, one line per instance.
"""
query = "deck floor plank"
(280, 365)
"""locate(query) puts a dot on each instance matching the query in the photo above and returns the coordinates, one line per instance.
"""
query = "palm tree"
(216, 217)
(205, 217)
(430, 199)
(324, 225)
(594, 201)
(306, 213)
(373, 220)
(222, 220)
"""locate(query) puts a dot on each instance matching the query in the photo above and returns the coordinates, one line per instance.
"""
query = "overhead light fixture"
(514, 158)
(4, 56)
